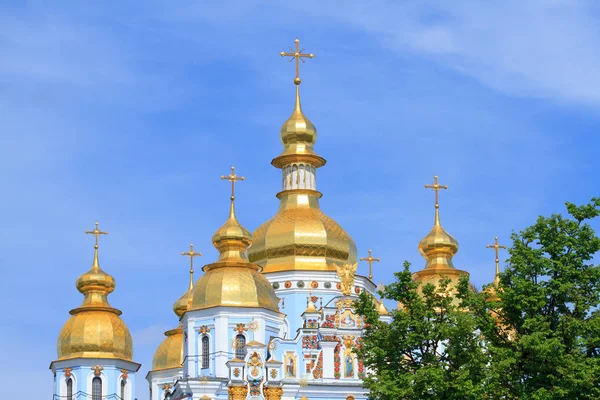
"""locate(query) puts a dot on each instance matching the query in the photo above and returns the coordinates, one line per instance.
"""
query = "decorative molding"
(68, 372)
(97, 370)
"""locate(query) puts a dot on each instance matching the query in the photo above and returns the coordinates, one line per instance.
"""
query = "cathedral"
(270, 319)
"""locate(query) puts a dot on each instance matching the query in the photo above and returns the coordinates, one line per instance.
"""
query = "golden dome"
(298, 136)
(301, 237)
(381, 308)
(95, 330)
(232, 281)
(438, 247)
(170, 352)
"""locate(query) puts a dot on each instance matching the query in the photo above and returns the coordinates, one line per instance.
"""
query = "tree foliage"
(539, 338)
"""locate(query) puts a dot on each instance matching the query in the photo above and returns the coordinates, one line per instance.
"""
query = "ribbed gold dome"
(298, 134)
(438, 247)
(301, 237)
(232, 281)
(170, 352)
(95, 330)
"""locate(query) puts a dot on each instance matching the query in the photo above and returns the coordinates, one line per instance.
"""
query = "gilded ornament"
(356, 290)
(236, 372)
(343, 303)
(288, 284)
(124, 374)
(346, 273)
(236, 344)
(68, 372)
(253, 326)
(273, 373)
(348, 341)
(97, 370)
(204, 329)
(240, 328)
(237, 392)
(314, 284)
(349, 397)
(303, 382)
(273, 392)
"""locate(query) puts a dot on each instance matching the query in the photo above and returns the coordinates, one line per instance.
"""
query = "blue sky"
(128, 114)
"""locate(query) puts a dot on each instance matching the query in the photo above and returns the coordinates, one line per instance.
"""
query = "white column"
(299, 177)
(328, 348)
(189, 351)
(221, 346)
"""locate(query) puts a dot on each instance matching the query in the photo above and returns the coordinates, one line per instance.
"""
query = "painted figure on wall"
(349, 361)
(348, 319)
(290, 365)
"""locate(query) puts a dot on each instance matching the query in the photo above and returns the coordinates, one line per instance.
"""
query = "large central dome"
(300, 236)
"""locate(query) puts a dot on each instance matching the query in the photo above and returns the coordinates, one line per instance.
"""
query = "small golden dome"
(232, 281)
(298, 134)
(95, 330)
(381, 308)
(301, 237)
(439, 247)
(311, 308)
(170, 352)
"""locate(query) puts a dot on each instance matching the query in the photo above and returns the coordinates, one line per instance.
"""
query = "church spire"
(298, 134)
(182, 304)
(438, 246)
(496, 246)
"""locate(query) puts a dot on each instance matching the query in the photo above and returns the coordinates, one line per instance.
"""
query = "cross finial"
(496, 246)
(436, 187)
(232, 177)
(297, 55)
(370, 260)
(96, 232)
(191, 254)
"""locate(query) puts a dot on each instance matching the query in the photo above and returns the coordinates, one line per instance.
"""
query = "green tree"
(430, 350)
(547, 345)
(537, 338)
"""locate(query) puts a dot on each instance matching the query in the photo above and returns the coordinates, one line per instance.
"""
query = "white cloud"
(543, 48)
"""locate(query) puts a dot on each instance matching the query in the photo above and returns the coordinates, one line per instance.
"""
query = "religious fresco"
(289, 365)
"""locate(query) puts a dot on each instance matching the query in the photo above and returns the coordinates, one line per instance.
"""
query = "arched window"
(240, 350)
(205, 351)
(96, 389)
(123, 383)
(70, 389)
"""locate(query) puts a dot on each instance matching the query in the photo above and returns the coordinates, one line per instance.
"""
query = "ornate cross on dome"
(298, 56)
(96, 232)
(191, 254)
(436, 187)
(496, 246)
(232, 177)
(370, 260)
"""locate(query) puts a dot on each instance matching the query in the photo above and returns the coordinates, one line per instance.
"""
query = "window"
(240, 350)
(96, 388)
(70, 389)
(123, 383)
(205, 352)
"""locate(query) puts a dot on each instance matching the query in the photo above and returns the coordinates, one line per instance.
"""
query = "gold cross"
(496, 247)
(298, 56)
(436, 186)
(370, 260)
(96, 232)
(232, 177)
(191, 254)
